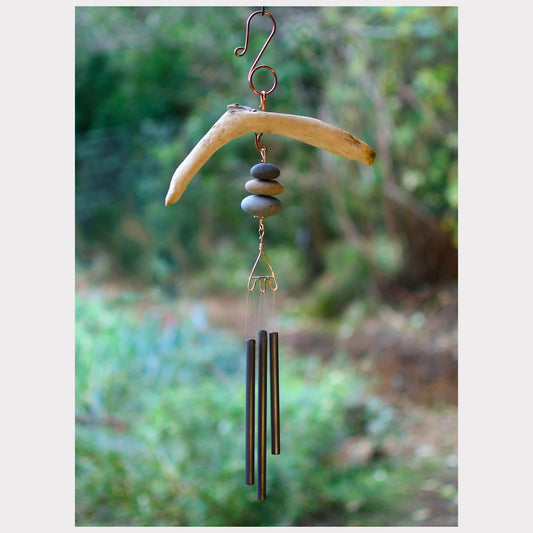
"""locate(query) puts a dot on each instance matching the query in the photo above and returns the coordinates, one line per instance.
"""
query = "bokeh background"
(366, 260)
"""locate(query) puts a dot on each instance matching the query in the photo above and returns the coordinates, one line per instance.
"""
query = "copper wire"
(260, 147)
(241, 50)
(252, 280)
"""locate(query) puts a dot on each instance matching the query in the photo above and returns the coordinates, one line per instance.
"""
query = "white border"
(495, 236)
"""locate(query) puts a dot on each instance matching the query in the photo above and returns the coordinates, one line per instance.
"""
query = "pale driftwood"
(239, 120)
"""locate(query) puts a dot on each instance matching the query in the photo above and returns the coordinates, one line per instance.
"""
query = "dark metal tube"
(262, 415)
(250, 410)
(274, 392)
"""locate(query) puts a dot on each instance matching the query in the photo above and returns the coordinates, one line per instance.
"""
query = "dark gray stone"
(265, 187)
(261, 206)
(265, 171)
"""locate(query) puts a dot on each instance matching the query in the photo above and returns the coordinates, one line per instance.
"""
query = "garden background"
(366, 259)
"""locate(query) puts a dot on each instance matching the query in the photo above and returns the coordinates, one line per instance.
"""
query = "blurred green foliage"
(150, 81)
(160, 429)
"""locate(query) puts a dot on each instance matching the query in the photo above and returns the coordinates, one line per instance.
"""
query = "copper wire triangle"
(252, 280)
(262, 279)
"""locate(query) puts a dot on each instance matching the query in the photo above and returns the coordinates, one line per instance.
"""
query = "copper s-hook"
(241, 50)
(261, 148)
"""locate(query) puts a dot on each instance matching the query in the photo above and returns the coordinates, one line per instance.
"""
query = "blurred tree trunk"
(429, 254)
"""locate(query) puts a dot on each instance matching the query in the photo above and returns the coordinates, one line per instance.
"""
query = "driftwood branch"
(240, 120)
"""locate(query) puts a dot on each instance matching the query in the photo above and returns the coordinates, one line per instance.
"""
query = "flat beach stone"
(265, 187)
(261, 206)
(265, 171)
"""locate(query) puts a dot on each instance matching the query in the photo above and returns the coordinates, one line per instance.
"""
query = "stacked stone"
(263, 188)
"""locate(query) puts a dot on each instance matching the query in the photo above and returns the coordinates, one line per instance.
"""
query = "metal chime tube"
(250, 410)
(262, 415)
(274, 393)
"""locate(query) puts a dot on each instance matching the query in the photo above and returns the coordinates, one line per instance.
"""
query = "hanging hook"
(261, 148)
(241, 50)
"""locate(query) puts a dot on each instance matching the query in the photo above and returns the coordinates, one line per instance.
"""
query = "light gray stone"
(265, 187)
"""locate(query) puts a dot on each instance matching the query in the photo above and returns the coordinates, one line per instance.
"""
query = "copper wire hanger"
(252, 280)
(241, 50)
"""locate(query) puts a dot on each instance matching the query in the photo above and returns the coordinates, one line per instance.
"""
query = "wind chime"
(237, 121)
